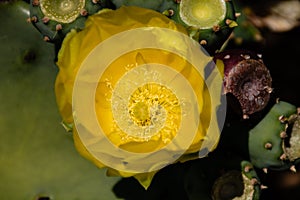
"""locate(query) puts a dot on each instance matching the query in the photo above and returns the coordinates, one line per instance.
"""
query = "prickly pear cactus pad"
(145, 100)
(38, 160)
(266, 139)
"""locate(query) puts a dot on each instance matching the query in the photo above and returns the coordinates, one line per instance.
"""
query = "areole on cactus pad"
(132, 86)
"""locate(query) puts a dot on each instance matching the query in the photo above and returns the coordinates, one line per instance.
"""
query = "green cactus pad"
(38, 160)
(265, 142)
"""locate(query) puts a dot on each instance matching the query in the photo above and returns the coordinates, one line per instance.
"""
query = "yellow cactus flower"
(132, 86)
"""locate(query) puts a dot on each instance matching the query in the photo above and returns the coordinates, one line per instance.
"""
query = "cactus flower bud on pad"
(132, 86)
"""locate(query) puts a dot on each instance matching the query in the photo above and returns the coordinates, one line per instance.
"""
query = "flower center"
(150, 104)
(64, 11)
(140, 113)
(146, 107)
(152, 109)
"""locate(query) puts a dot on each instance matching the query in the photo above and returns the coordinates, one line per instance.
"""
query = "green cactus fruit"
(266, 139)
(55, 18)
(38, 160)
(209, 22)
